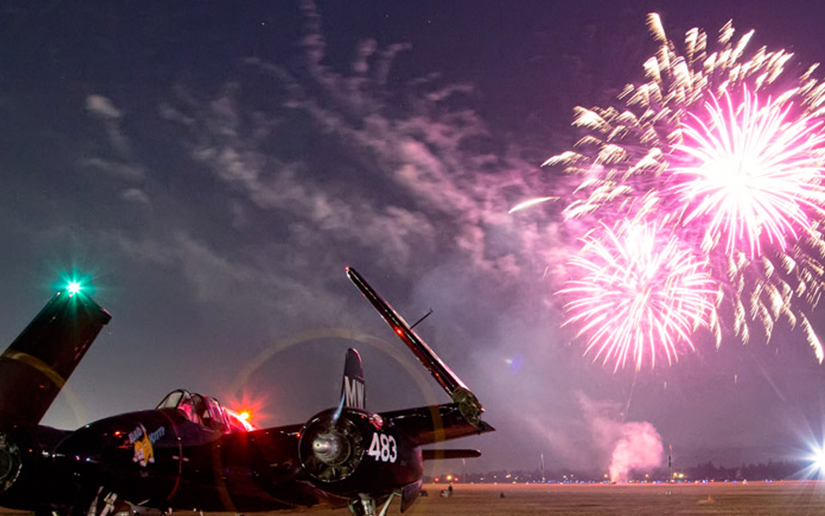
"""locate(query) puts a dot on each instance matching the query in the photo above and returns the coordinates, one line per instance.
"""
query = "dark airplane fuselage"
(160, 459)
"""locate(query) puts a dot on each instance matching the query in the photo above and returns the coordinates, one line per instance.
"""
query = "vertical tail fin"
(40, 360)
(353, 392)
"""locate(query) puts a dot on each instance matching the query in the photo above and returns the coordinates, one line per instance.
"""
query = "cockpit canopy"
(204, 411)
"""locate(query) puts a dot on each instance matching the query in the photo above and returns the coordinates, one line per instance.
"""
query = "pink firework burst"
(638, 293)
(736, 176)
(753, 173)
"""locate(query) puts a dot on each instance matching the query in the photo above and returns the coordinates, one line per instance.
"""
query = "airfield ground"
(751, 499)
(713, 499)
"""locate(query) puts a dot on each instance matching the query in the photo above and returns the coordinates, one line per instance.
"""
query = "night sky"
(212, 167)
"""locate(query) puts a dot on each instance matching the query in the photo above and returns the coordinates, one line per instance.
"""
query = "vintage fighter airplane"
(191, 453)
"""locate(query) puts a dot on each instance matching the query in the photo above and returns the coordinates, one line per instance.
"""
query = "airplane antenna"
(429, 312)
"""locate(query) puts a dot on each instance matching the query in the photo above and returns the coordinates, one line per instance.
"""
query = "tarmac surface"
(711, 499)
(786, 498)
(728, 499)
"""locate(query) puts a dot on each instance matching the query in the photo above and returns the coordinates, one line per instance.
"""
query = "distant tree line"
(771, 470)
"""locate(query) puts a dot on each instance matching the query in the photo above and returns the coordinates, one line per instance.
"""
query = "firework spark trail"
(692, 150)
(752, 173)
(639, 294)
(532, 202)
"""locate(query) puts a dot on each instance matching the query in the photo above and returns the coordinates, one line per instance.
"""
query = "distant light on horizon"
(817, 458)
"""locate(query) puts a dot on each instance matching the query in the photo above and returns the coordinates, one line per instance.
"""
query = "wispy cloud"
(407, 186)
(119, 170)
(104, 109)
(118, 160)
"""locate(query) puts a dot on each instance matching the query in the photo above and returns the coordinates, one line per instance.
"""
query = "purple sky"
(213, 167)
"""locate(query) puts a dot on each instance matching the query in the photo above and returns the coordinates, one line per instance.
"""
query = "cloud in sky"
(102, 107)
(329, 153)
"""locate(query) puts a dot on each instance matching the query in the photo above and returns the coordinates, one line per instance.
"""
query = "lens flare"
(637, 294)
(240, 420)
(727, 152)
(246, 408)
(817, 459)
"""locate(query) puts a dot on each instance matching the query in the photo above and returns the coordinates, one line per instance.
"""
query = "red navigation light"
(240, 420)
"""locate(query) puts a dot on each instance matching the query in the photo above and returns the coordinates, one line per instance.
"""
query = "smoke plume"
(627, 446)
(638, 448)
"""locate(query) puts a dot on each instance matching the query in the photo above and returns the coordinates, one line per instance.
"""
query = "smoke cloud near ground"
(626, 445)
(640, 448)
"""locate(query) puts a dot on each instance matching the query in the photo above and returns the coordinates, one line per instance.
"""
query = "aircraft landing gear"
(368, 506)
(46, 511)
(100, 503)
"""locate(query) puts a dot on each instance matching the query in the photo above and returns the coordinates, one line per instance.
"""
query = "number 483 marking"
(383, 448)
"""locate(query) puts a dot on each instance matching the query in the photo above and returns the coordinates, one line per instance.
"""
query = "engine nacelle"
(332, 447)
(26, 465)
(11, 462)
(344, 449)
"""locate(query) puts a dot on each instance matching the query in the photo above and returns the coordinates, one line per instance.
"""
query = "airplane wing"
(40, 360)
(450, 453)
(434, 423)
(469, 406)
